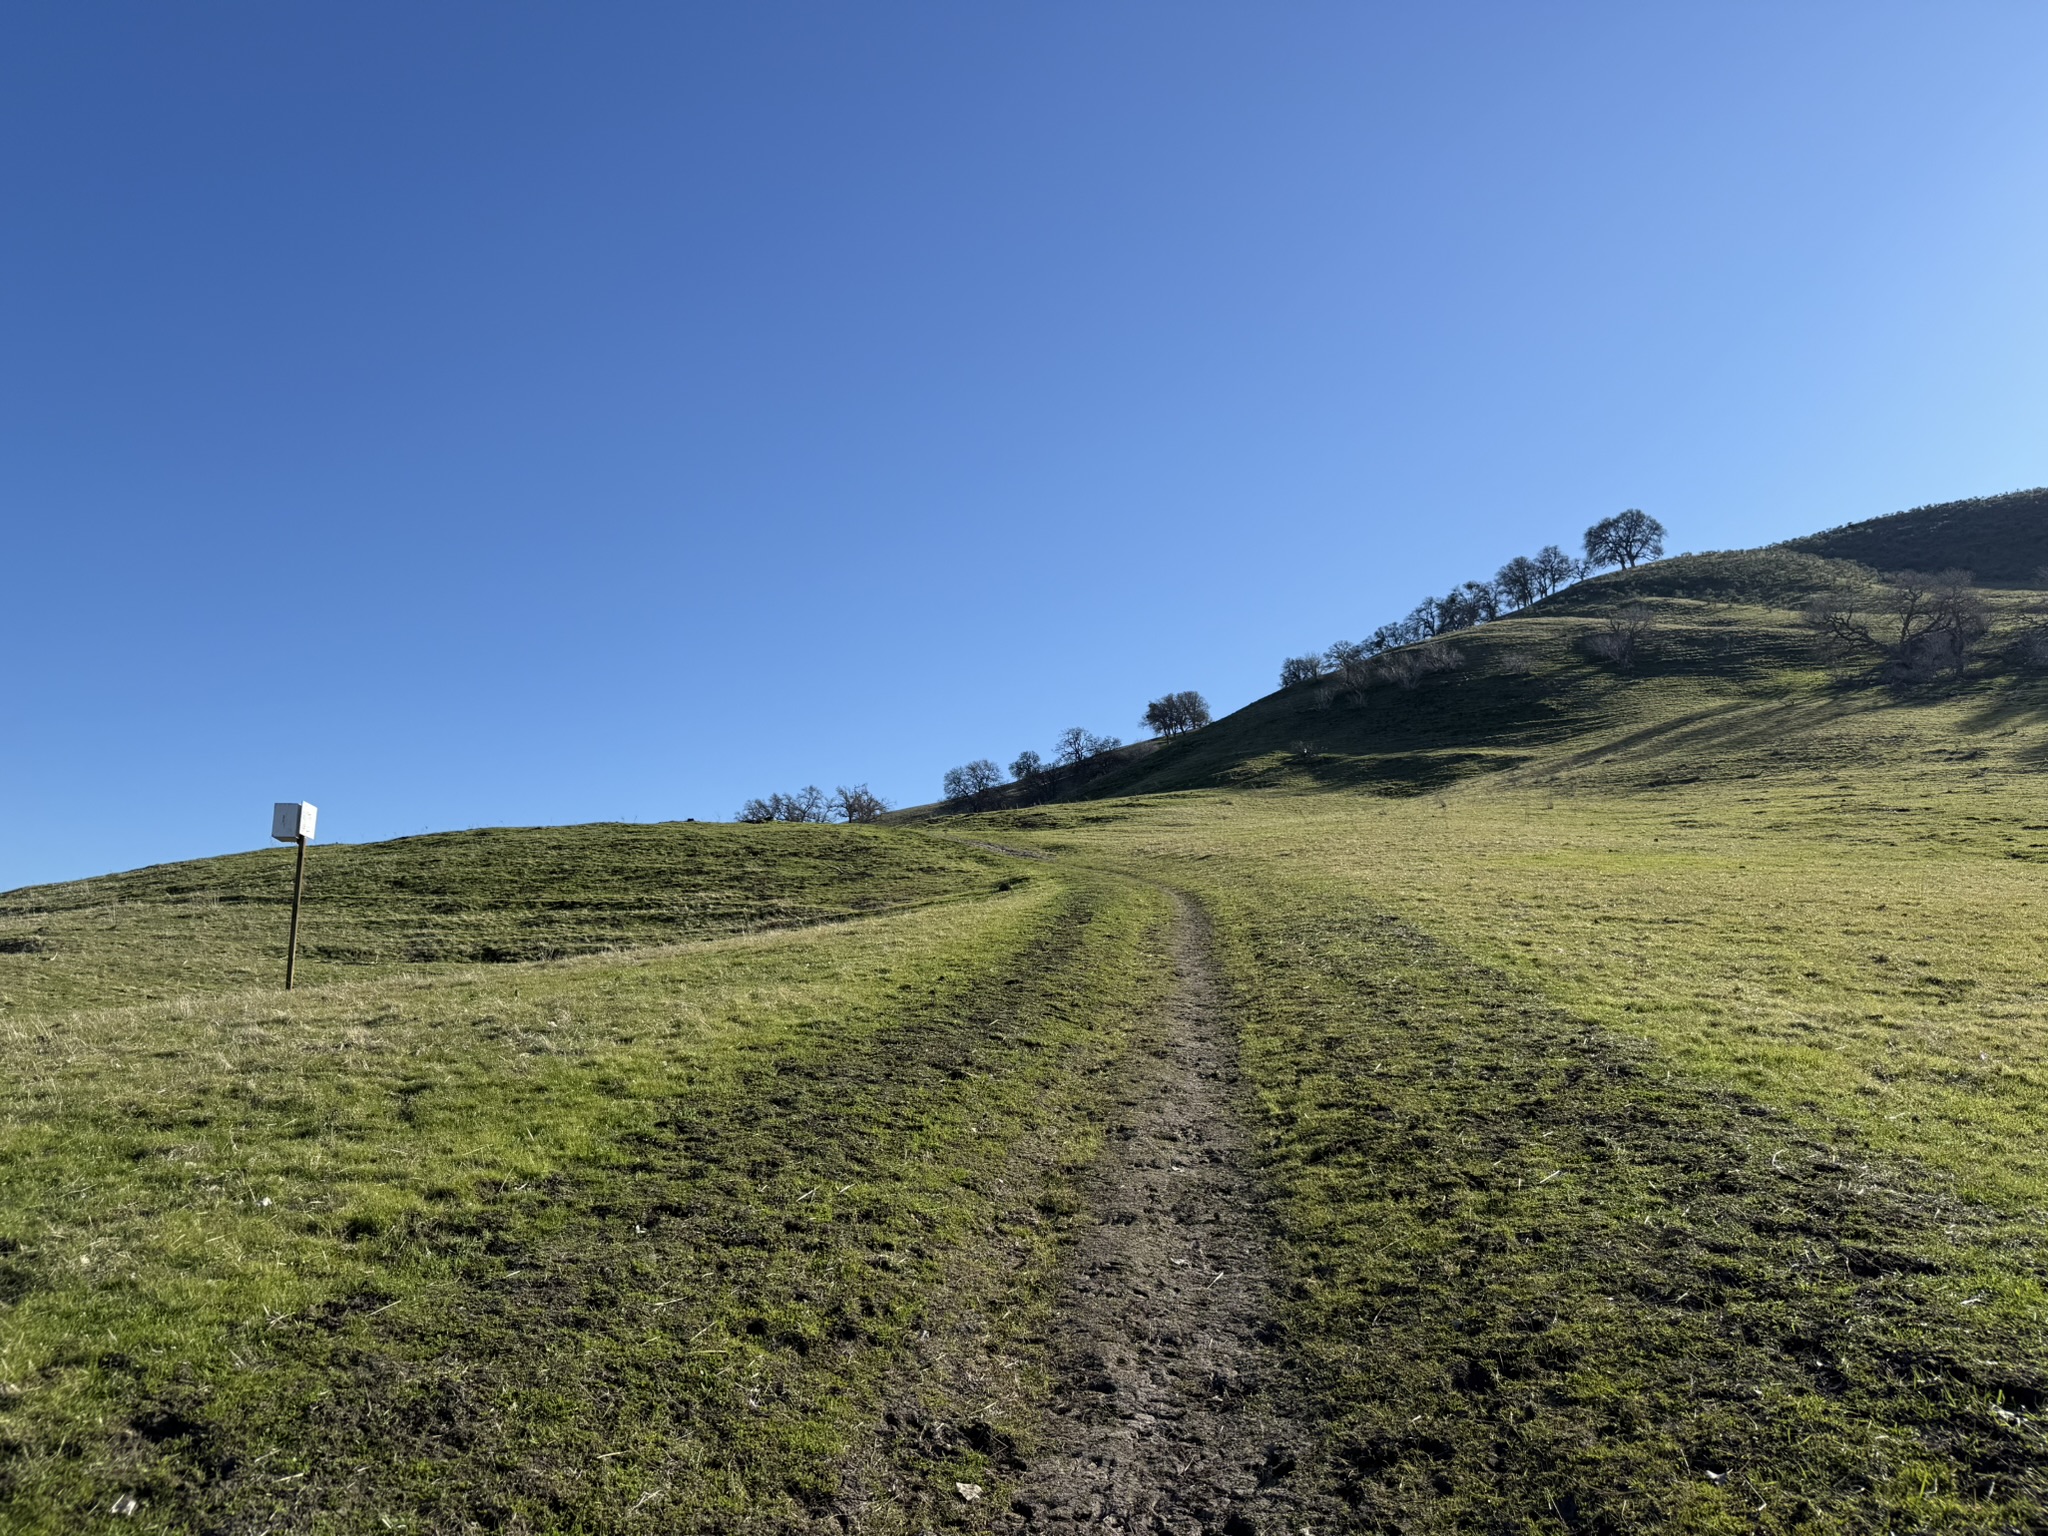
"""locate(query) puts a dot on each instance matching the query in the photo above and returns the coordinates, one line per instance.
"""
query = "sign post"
(291, 821)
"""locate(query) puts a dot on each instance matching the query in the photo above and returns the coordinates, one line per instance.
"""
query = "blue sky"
(479, 414)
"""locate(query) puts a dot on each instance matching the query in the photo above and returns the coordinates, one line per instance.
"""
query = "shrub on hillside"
(1621, 641)
(1407, 667)
(1401, 668)
(2030, 647)
(1917, 627)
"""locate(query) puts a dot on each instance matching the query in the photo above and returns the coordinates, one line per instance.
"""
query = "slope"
(1631, 1063)
(493, 895)
(1723, 655)
(2002, 540)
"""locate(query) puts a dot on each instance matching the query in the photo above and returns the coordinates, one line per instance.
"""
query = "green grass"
(1594, 1176)
(640, 1241)
(495, 895)
(1653, 1067)
(1647, 1067)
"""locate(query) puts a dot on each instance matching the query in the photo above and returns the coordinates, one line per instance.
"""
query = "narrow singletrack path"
(1163, 1418)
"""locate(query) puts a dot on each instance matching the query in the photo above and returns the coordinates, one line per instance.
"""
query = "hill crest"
(2001, 540)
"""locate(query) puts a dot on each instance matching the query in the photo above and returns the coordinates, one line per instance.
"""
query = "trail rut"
(1164, 1417)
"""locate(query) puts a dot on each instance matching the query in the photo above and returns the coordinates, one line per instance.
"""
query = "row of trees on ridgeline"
(811, 803)
(1171, 714)
(1074, 746)
(1626, 540)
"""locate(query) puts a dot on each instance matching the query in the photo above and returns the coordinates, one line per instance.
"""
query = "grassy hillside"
(493, 895)
(1728, 681)
(1643, 1067)
(2002, 539)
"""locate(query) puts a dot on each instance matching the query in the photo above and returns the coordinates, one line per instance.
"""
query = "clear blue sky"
(479, 414)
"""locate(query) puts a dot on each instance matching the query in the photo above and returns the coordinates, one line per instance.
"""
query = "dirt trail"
(1162, 1414)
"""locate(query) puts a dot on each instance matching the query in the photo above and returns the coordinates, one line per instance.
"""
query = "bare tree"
(1076, 746)
(1300, 669)
(1026, 765)
(972, 781)
(1922, 626)
(1407, 667)
(1173, 713)
(858, 803)
(807, 804)
(1554, 570)
(1517, 583)
(1472, 602)
(1625, 539)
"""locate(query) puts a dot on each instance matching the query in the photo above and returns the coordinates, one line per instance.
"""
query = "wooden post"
(291, 953)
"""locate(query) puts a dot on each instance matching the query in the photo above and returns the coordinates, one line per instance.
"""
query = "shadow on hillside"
(2023, 702)
(1707, 743)
(1391, 774)
(2002, 539)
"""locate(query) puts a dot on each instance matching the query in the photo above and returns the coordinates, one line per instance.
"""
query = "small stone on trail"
(969, 1491)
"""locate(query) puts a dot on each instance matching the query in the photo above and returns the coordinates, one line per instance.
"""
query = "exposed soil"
(732, 1268)
(1164, 1415)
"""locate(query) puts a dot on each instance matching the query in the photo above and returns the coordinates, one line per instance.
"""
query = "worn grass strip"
(1542, 1282)
(608, 1246)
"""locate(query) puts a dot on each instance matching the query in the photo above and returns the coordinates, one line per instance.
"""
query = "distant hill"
(2003, 540)
(1529, 691)
(1729, 681)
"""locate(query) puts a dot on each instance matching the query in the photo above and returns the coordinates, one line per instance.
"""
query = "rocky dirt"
(1164, 1413)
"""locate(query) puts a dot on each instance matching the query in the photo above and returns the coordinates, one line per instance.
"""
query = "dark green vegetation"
(2001, 540)
(1647, 1055)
